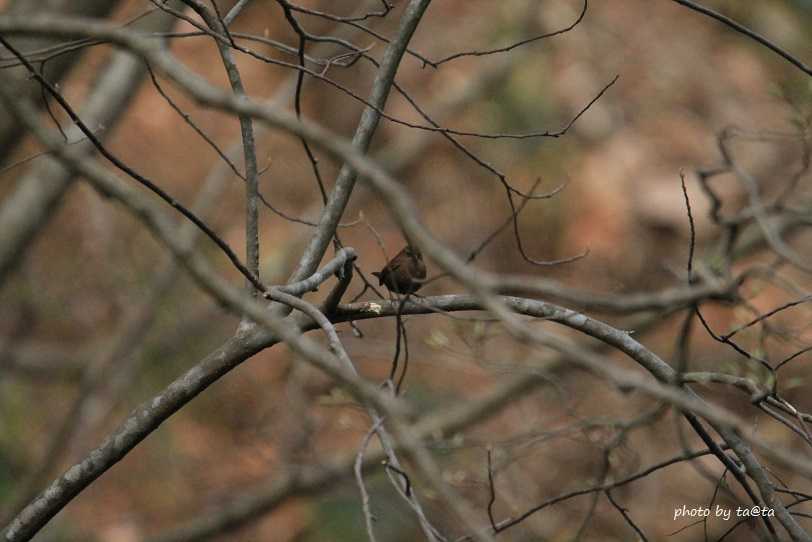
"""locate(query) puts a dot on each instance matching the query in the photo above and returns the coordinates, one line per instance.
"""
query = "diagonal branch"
(345, 182)
(740, 28)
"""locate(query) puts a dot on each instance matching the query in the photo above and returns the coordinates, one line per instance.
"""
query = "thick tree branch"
(345, 182)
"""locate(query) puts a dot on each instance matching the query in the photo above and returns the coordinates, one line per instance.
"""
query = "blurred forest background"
(92, 268)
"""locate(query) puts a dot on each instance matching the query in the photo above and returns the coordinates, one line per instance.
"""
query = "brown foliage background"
(683, 78)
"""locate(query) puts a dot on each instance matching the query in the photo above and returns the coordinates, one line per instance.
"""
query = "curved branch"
(740, 28)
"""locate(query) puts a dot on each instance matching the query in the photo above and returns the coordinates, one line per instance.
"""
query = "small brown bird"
(404, 273)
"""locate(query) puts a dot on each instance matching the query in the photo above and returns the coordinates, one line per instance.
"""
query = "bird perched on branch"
(404, 273)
